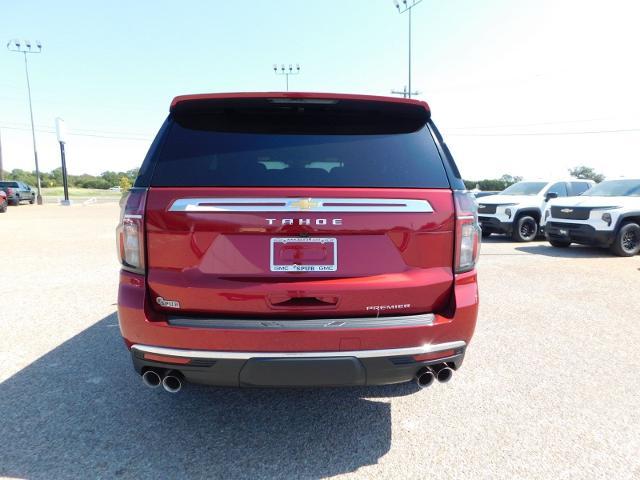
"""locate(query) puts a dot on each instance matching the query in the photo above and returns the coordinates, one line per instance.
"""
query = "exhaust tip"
(425, 377)
(444, 373)
(172, 383)
(151, 379)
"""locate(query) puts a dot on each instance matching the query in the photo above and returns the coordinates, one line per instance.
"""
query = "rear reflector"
(434, 355)
(154, 357)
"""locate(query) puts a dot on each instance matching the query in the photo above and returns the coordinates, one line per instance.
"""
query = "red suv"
(297, 239)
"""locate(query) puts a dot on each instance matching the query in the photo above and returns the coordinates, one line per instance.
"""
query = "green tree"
(22, 176)
(52, 179)
(125, 184)
(112, 178)
(586, 173)
(495, 184)
(132, 174)
(510, 179)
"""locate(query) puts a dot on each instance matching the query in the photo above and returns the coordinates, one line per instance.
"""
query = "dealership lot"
(549, 388)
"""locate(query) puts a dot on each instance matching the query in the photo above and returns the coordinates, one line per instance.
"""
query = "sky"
(520, 87)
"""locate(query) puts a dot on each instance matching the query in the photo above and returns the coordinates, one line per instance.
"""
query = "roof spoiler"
(290, 97)
(300, 113)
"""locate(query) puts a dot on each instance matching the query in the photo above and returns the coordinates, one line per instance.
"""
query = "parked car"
(3, 201)
(608, 215)
(485, 194)
(115, 189)
(297, 239)
(18, 192)
(517, 210)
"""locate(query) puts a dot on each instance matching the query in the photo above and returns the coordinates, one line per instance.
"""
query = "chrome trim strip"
(423, 320)
(223, 355)
(322, 205)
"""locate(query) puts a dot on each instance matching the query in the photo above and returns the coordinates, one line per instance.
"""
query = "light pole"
(406, 6)
(61, 134)
(24, 48)
(283, 71)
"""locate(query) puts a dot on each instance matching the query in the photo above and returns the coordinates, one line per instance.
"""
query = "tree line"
(53, 178)
(124, 180)
(498, 184)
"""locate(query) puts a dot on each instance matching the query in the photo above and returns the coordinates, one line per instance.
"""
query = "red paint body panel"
(141, 325)
(218, 262)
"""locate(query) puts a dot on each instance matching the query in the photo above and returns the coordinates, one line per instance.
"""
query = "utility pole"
(283, 71)
(24, 48)
(405, 93)
(406, 6)
(1, 167)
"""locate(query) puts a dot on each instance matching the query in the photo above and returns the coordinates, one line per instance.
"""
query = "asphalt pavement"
(550, 387)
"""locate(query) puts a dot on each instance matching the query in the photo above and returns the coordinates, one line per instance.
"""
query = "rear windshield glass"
(9, 184)
(524, 188)
(193, 155)
(615, 188)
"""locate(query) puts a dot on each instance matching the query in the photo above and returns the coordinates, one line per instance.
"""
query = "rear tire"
(559, 243)
(32, 201)
(525, 229)
(486, 234)
(3, 206)
(16, 202)
(627, 242)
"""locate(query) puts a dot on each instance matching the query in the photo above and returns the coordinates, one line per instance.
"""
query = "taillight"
(467, 231)
(10, 191)
(130, 230)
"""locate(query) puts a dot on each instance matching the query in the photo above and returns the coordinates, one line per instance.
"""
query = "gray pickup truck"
(18, 192)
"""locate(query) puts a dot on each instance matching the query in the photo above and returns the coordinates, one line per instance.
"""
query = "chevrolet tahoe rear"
(297, 239)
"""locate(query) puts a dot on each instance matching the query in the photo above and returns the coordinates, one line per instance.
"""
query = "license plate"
(296, 254)
(564, 232)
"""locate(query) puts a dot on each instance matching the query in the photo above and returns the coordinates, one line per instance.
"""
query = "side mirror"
(550, 195)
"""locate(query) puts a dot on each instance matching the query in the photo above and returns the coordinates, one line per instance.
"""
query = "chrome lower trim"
(320, 205)
(223, 355)
(423, 320)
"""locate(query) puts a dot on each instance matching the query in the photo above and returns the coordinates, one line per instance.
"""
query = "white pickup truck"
(517, 210)
(608, 215)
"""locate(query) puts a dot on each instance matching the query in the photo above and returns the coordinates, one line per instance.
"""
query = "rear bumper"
(494, 225)
(579, 233)
(296, 369)
(346, 355)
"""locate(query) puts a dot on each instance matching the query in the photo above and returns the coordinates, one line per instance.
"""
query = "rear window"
(9, 184)
(200, 154)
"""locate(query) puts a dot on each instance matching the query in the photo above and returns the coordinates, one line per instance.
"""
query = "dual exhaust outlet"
(171, 381)
(427, 375)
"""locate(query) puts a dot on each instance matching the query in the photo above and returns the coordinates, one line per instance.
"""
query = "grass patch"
(79, 192)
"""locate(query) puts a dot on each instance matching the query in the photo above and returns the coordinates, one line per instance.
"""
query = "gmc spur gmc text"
(297, 239)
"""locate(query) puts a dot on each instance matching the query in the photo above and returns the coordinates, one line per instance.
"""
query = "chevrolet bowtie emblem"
(567, 210)
(305, 204)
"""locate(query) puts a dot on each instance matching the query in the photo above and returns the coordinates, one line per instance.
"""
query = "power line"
(534, 134)
(42, 127)
(536, 124)
(42, 130)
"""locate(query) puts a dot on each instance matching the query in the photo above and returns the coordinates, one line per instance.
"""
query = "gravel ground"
(549, 389)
